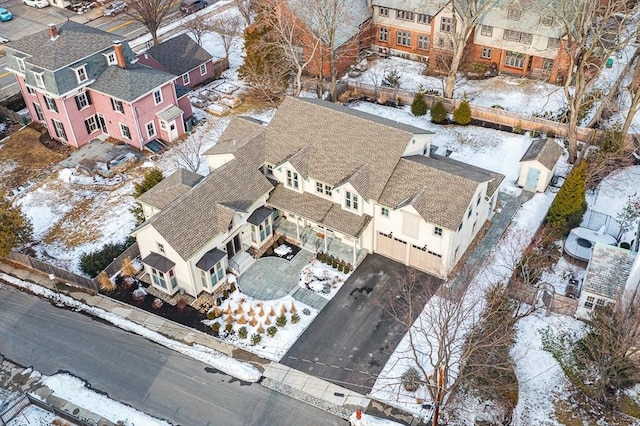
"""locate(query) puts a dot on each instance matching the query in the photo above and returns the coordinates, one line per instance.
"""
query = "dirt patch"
(24, 158)
(69, 230)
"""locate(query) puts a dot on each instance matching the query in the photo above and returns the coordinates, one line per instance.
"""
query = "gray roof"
(206, 211)
(259, 215)
(210, 258)
(428, 7)
(169, 113)
(170, 188)
(319, 210)
(440, 189)
(608, 270)
(332, 143)
(237, 134)
(546, 151)
(158, 262)
(75, 42)
(179, 55)
(130, 83)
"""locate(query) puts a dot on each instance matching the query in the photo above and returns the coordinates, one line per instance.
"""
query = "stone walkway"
(272, 277)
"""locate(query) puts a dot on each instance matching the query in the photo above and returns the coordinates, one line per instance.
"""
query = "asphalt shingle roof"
(170, 188)
(546, 151)
(179, 55)
(428, 7)
(75, 42)
(238, 133)
(129, 84)
(608, 270)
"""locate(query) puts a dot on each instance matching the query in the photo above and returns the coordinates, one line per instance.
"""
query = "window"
(151, 129)
(441, 41)
(423, 42)
(446, 24)
(322, 188)
(600, 303)
(292, 179)
(383, 11)
(486, 30)
(203, 69)
(460, 226)
(21, 66)
(486, 52)
(437, 231)
(111, 58)
(163, 125)
(404, 15)
(384, 211)
(157, 97)
(81, 74)
(185, 79)
(424, 19)
(589, 302)
(404, 38)
(469, 212)
(59, 128)
(351, 200)
(383, 34)
(31, 90)
(91, 124)
(216, 273)
(158, 278)
(514, 59)
(546, 21)
(117, 105)
(547, 64)
(513, 14)
(160, 247)
(526, 38)
(51, 104)
(512, 35)
(39, 112)
(553, 43)
(478, 201)
(39, 79)
(125, 131)
(83, 100)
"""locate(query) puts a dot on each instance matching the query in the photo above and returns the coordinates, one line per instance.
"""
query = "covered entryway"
(388, 245)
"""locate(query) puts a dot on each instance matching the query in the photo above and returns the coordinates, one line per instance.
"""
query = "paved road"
(137, 372)
(352, 338)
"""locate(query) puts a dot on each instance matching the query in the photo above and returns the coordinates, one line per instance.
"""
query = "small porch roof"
(170, 113)
(259, 215)
(210, 258)
(159, 262)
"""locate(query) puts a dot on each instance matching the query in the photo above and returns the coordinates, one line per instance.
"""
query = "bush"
(270, 251)
(295, 318)
(256, 338)
(281, 321)
(150, 179)
(517, 130)
(334, 263)
(225, 294)
(95, 262)
(570, 204)
(346, 269)
(625, 245)
(271, 331)
(392, 79)
(215, 328)
(419, 106)
(128, 270)
(181, 303)
(306, 311)
(462, 114)
(232, 288)
(228, 328)
(243, 332)
(411, 379)
(438, 113)
(105, 282)
(341, 267)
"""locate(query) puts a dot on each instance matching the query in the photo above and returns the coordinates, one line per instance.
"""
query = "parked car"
(190, 6)
(36, 3)
(114, 8)
(5, 15)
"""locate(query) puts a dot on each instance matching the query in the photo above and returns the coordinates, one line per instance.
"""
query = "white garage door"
(425, 260)
(392, 247)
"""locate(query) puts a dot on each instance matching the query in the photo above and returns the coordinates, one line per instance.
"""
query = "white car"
(36, 3)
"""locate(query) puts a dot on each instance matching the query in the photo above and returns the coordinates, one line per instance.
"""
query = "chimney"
(117, 46)
(53, 32)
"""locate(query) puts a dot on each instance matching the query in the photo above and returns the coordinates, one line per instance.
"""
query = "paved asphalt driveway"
(352, 338)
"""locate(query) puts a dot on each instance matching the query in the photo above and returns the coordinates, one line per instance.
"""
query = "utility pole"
(439, 395)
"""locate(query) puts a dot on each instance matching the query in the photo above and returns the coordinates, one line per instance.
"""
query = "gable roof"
(237, 134)
(428, 7)
(130, 83)
(332, 143)
(170, 188)
(179, 55)
(546, 151)
(440, 189)
(608, 270)
(75, 42)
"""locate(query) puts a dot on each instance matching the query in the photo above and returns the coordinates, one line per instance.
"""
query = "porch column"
(297, 228)
(325, 240)
(355, 251)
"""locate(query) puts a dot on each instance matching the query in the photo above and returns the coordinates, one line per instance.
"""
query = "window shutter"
(88, 95)
(77, 103)
(86, 125)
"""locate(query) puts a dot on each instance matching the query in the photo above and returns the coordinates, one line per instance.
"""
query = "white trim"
(81, 70)
(153, 127)
(157, 92)
(122, 131)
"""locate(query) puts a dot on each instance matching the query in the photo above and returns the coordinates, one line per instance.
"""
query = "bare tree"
(634, 89)
(465, 15)
(151, 14)
(187, 153)
(594, 29)
(246, 9)
(198, 27)
(228, 26)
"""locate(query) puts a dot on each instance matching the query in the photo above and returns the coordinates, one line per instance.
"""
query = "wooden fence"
(44, 267)
(131, 252)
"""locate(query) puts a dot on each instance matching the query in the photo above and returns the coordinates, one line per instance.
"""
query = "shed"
(538, 164)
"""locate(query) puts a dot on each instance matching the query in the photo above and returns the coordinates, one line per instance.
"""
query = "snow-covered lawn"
(322, 279)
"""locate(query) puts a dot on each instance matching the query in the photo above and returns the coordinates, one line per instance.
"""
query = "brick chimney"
(53, 32)
(117, 46)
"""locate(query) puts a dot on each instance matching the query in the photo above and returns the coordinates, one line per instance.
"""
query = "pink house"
(183, 57)
(83, 83)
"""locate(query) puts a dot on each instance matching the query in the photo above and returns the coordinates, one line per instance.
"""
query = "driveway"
(352, 338)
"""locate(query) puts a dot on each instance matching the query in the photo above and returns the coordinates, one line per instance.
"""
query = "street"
(130, 369)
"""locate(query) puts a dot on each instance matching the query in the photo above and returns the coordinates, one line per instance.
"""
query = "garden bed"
(282, 249)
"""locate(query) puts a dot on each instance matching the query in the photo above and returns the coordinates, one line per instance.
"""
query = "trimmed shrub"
(306, 311)
(225, 294)
(625, 245)
(256, 338)
(411, 379)
(341, 267)
(295, 318)
(232, 288)
(438, 113)
(181, 303)
(570, 204)
(157, 303)
(215, 328)
(419, 106)
(95, 262)
(228, 328)
(346, 269)
(271, 331)
(281, 321)
(105, 282)
(243, 332)
(462, 114)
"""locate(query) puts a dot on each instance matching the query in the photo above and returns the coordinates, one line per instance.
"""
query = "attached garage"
(392, 247)
(425, 260)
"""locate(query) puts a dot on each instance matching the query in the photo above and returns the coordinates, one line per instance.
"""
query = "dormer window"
(39, 77)
(111, 58)
(323, 188)
(351, 200)
(21, 65)
(513, 14)
(81, 74)
(292, 179)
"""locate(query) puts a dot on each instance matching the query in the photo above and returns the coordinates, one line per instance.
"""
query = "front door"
(173, 131)
(532, 179)
(233, 246)
(103, 124)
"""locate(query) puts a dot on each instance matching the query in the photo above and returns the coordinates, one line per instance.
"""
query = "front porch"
(307, 237)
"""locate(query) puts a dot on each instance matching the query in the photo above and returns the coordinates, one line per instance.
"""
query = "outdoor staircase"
(241, 262)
